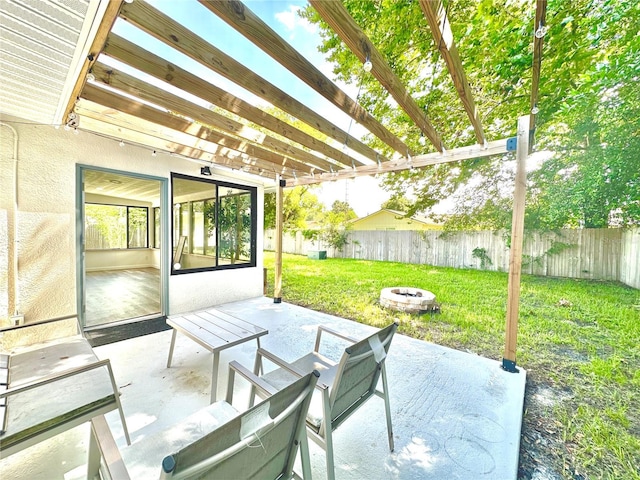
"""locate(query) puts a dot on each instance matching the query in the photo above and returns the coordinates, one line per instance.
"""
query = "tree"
(335, 224)
(589, 105)
(398, 203)
(300, 205)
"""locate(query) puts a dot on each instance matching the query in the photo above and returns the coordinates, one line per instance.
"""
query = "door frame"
(165, 250)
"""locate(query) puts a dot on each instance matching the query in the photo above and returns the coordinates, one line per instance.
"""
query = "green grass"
(579, 341)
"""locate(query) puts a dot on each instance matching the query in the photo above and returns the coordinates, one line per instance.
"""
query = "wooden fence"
(597, 254)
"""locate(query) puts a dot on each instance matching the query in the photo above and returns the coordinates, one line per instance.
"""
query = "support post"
(277, 288)
(515, 259)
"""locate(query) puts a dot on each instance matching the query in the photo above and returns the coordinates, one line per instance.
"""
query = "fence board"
(598, 254)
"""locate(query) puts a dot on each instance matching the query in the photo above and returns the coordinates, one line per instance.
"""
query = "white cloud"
(291, 20)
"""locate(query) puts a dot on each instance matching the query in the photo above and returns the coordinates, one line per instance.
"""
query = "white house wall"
(47, 161)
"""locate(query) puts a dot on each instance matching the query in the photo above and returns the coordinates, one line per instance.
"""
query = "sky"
(363, 194)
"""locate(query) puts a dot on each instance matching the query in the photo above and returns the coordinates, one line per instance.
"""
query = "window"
(214, 224)
(116, 227)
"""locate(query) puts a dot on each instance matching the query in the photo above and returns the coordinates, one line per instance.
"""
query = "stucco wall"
(47, 161)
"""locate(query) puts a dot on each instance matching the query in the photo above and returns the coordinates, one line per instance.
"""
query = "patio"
(455, 415)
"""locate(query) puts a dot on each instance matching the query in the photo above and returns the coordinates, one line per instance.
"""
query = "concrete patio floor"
(455, 415)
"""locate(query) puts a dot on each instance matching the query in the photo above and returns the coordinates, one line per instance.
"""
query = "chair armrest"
(19, 336)
(55, 376)
(261, 353)
(262, 386)
(322, 328)
(108, 450)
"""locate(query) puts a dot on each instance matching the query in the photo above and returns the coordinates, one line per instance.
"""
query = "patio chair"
(50, 381)
(217, 442)
(345, 386)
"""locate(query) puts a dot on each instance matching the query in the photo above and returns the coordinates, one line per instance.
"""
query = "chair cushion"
(144, 457)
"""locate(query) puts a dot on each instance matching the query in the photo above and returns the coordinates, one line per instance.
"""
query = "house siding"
(385, 220)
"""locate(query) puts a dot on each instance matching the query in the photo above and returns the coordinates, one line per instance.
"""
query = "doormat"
(117, 333)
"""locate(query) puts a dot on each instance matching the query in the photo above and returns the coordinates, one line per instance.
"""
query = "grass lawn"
(579, 341)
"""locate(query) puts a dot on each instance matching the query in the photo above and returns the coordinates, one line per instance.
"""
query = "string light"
(535, 110)
(541, 31)
(121, 143)
(153, 154)
(367, 66)
(422, 140)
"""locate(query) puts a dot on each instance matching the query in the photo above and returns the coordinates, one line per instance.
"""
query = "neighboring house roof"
(388, 219)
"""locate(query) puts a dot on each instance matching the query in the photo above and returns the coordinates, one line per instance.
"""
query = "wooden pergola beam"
(336, 15)
(517, 240)
(539, 22)
(237, 15)
(109, 18)
(440, 27)
(277, 288)
(165, 29)
(496, 147)
(154, 65)
(209, 140)
(155, 95)
(107, 127)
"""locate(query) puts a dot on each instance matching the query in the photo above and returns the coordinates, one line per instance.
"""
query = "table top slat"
(215, 331)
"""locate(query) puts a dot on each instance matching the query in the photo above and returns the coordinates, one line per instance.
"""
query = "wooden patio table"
(215, 331)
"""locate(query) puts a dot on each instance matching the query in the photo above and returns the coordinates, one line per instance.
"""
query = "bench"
(51, 381)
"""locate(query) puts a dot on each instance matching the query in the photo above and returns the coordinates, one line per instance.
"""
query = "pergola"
(111, 102)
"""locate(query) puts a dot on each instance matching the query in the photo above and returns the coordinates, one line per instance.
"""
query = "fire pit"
(407, 299)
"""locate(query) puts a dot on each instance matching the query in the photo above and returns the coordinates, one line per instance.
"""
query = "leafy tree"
(335, 224)
(398, 203)
(300, 206)
(589, 105)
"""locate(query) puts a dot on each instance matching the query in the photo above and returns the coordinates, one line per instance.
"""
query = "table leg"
(214, 376)
(173, 342)
(261, 372)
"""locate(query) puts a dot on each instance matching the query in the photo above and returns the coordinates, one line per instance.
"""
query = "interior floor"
(117, 295)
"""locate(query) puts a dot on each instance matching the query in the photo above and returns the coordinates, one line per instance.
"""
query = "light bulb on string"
(541, 31)
(535, 110)
(422, 140)
(121, 143)
(367, 65)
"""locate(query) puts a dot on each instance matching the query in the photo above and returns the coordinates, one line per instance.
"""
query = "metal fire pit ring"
(407, 299)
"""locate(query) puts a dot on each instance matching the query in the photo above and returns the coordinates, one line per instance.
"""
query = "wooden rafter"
(155, 66)
(137, 132)
(217, 141)
(336, 15)
(237, 15)
(496, 147)
(109, 18)
(165, 29)
(539, 22)
(148, 93)
(440, 27)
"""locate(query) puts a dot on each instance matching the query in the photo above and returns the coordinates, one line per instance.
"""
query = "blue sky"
(363, 194)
